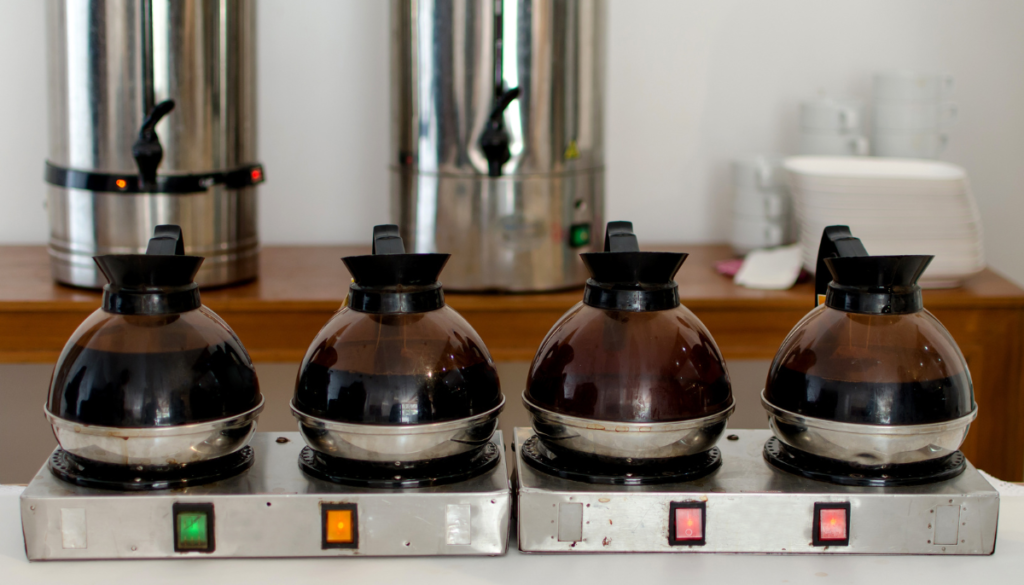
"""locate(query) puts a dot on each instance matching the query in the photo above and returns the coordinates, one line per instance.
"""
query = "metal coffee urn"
(497, 137)
(152, 115)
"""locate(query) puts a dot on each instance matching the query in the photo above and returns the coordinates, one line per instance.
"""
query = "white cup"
(758, 203)
(753, 233)
(910, 86)
(910, 144)
(915, 116)
(759, 171)
(833, 144)
(831, 115)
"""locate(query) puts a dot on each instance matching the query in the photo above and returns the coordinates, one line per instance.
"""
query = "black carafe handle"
(167, 240)
(495, 139)
(386, 240)
(619, 237)
(836, 242)
(147, 149)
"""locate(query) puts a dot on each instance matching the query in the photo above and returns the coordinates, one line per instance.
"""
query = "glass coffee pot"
(153, 389)
(629, 377)
(869, 388)
(397, 389)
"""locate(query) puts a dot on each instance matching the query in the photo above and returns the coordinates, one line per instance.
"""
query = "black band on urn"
(237, 178)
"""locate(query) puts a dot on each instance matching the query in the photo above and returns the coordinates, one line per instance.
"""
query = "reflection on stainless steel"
(629, 440)
(868, 444)
(451, 61)
(745, 492)
(403, 443)
(156, 445)
(271, 510)
(100, 83)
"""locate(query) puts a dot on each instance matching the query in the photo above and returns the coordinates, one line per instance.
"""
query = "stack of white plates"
(895, 206)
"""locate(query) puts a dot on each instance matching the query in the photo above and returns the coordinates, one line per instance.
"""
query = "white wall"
(691, 84)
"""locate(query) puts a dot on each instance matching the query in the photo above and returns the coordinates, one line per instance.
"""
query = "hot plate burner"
(611, 471)
(842, 473)
(434, 472)
(133, 478)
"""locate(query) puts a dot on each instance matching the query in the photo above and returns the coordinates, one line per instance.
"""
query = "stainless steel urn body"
(111, 62)
(497, 137)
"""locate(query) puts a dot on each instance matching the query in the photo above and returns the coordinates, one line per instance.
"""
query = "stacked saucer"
(895, 206)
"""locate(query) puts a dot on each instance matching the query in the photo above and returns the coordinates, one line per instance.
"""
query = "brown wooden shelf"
(278, 315)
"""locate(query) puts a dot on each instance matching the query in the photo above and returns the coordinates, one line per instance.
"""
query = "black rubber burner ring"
(434, 472)
(840, 472)
(677, 469)
(134, 478)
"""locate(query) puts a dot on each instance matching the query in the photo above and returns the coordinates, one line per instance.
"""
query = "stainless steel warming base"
(748, 506)
(272, 510)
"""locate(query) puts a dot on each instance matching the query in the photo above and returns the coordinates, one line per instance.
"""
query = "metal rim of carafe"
(397, 429)
(156, 446)
(629, 441)
(219, 424)
(869, 445)
(397, 442)
(793, 418)
(629, 427)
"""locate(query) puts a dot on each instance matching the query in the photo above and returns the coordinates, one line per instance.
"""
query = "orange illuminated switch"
(340, 526)
(831, 524)
(686, 523)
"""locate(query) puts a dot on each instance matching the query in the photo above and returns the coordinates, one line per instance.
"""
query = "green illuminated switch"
(193, 528)
(579, 235)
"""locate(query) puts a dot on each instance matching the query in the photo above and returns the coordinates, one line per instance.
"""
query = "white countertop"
(1005, 566)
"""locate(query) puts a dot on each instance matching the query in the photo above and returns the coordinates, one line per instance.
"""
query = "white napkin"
(11, 490)
(773, 269)
(1004, 488)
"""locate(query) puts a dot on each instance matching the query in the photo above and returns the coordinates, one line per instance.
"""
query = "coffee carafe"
(869, 388)
(629, 378)
(153, 390)
(397, 389)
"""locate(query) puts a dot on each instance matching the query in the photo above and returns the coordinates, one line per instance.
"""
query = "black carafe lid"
(855, 282)
(159, 282)
(622, 278)
(389, 281)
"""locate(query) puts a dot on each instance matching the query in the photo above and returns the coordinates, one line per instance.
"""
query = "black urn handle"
(386, 240)
(836, 242)
(147, 149)
(619, 237)
(495, 139)
(167, 240)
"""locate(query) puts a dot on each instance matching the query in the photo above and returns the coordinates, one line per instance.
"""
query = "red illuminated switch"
(686, 523)
(831, 524)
